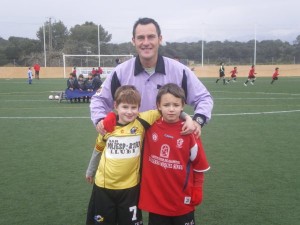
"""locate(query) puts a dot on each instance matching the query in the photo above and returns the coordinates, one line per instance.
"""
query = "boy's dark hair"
(127, 94)
(145, 21)
(172, 89)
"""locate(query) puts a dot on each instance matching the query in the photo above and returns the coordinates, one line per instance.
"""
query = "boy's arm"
(93, 165)
(197, 189)
(110, 121)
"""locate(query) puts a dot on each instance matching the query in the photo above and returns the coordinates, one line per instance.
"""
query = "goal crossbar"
(98, 56)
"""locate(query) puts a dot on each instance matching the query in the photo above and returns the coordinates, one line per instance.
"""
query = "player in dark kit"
(221, 73)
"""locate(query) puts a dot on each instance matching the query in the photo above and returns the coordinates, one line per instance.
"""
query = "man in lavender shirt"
(148, 71)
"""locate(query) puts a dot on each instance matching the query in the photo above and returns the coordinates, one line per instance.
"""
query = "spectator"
(74, 72)
(118, 61)
(81, 86)
(99, 71)
(72, 84)
(93, 72)
(37, 69)
(89, 85)
(97, 82)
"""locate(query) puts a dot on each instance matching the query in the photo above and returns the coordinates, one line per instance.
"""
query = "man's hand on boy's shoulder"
(191, 126)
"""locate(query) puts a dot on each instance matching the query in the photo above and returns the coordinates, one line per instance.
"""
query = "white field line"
(241, 98)
(225, 98)
(44, 117)
(85, 117)
(256, 113)
(257, 93)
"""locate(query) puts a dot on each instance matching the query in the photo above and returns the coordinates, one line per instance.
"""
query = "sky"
(180, 21)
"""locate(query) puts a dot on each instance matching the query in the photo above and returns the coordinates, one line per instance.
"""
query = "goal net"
(85, 63)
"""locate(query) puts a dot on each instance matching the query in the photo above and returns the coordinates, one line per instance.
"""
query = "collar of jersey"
(160, 66)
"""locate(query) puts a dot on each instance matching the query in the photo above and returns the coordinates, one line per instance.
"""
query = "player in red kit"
(173, 165)
(233, 75)
(251, 76)
(275, 75)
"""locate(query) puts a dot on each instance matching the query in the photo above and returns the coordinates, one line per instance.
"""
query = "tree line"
(83, 39)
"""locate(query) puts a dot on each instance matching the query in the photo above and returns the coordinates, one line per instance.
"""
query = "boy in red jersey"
(233, 75)
(251, 76)
(173, 165)
(275, 75)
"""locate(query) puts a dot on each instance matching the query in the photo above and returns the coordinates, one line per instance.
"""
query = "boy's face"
(127, 112)
(170, 107)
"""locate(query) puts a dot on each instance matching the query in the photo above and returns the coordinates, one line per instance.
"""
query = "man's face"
(146, 42)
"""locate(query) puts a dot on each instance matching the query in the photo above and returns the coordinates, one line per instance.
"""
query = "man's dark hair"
(145, 21)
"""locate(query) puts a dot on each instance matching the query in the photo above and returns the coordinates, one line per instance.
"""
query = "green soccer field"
(252, 144)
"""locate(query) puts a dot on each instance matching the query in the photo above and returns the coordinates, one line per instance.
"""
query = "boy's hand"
(196, 195)
(89, 179)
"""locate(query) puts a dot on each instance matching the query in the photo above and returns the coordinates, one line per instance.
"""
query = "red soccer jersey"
(275, 74)
(252, 73)
(169, 161)
(36, 67)
(233, 73)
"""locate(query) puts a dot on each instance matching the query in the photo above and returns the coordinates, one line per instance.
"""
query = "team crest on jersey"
(165, 151)
(98, 218)
(179, 143)
(154, 137)
(133, 130)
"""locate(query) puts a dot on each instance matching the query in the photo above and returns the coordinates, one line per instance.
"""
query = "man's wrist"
(99, 121)
(200, 119)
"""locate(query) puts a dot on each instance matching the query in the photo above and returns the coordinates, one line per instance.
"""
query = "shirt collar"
(160, 66)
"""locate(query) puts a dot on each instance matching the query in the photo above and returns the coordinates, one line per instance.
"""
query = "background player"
(233, 75)
(275, 75)
(251, 76)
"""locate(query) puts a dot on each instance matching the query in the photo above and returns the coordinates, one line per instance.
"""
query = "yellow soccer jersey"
(120, 161)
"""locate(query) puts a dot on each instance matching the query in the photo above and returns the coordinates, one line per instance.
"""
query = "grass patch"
(252, 145)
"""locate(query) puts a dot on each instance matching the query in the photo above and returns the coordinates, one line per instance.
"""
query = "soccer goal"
(85, 63)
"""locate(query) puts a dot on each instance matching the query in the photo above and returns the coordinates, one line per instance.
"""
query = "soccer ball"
(56, 97)
(51, 97)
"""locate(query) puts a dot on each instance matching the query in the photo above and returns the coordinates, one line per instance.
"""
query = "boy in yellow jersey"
(115, 193)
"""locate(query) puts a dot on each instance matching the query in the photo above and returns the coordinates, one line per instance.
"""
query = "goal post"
(85, 63)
